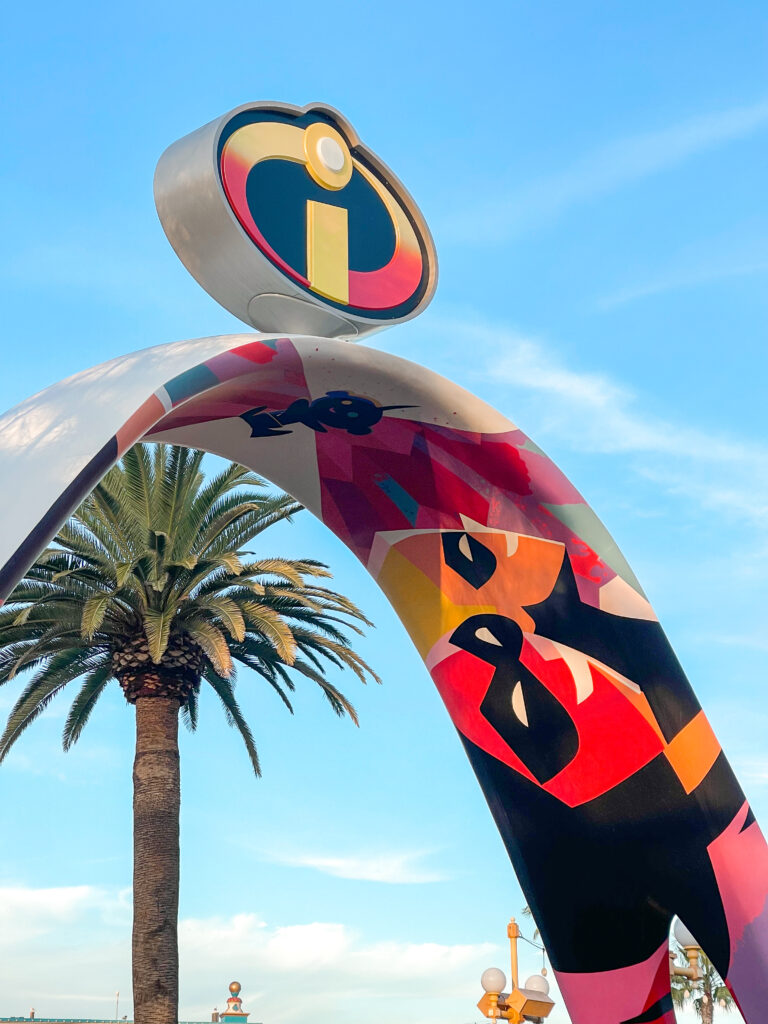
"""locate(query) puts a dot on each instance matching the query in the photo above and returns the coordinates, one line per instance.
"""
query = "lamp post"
(531, 1002)
(706, 986)
(692, 950)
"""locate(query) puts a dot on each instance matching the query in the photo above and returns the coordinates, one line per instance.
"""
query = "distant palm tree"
(149, 583)
(709, 995)
(527, 912)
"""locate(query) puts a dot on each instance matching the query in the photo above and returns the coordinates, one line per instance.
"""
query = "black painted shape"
(65, 504)
(545, 738)
(653, 1013)
(478, 568)
(303, 411)
(605, 879)
(749, 820)
(255, 115)
(263, 424)
(339, 409)
(636, 648)
(352, 413)
(277, 192)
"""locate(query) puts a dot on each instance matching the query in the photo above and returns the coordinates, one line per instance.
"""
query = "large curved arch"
(611, 793)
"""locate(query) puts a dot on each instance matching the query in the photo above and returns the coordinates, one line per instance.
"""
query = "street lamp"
(529, 1003)
(692, 950)
(698, 977)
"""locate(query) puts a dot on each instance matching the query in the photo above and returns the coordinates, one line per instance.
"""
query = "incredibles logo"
(293, 225)
(324, 211)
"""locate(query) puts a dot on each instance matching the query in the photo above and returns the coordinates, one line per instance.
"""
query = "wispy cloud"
(752, 641)
(392, 868)
(28, 913)
(319, 945)
(752, 770)
(592, 412)
(606, 169)
(680, 280)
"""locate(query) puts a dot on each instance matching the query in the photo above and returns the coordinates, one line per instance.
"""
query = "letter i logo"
(302, 228)
(330, 164)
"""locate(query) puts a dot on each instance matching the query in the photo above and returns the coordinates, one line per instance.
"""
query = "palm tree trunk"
(156, 800)
(708, 1009)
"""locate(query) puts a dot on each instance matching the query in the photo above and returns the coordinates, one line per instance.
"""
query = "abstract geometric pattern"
(608, 786)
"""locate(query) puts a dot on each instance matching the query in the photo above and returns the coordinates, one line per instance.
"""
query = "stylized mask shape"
(521, 709)
(473, 561)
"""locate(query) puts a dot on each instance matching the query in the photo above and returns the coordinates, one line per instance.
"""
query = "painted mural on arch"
(617, 806)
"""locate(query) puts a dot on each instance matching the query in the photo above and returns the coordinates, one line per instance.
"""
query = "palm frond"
(335, 697)
(260, 618)
(94, 610)
(189, 711)
(210, 638)
(93, 686)
(227, 612)
(40, 691)
(157, 629)
(225, 693)
(138, 476)
(157, 551)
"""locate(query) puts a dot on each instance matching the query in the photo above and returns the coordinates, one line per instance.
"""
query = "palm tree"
(527, 912)
(149, 584)
(710, 993)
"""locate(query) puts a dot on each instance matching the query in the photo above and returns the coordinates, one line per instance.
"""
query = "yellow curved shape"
(314, 136)
(405, 236)
(327, 234)
(267, 140)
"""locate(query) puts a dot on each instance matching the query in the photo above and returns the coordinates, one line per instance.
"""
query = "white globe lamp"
(682, 934)
(493, 980)
(537, 983)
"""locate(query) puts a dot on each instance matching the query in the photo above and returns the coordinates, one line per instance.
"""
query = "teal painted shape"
(531, 446)
(400, 497)
(585, 524)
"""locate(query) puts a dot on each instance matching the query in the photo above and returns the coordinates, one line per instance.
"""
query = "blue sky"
(594, 176)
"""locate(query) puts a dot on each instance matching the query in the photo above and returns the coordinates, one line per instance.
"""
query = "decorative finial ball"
(493, 980)
(538, 983)
(234, 988)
